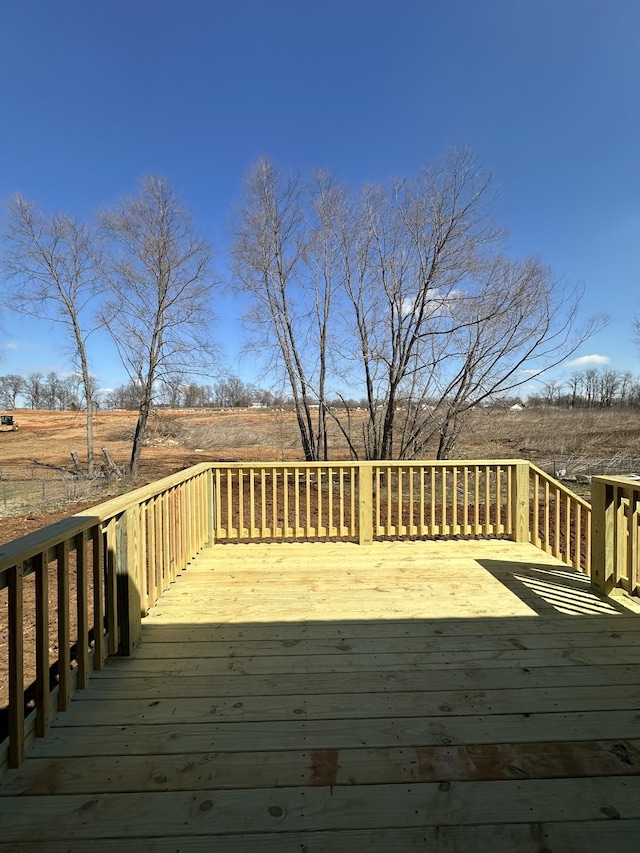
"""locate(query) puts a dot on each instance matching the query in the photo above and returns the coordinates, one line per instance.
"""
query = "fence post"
(520, 507)
(210, 510)
(365, 503)
(602, 536)
(128, 580)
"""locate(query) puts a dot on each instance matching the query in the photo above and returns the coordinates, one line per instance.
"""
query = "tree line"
(43, 392)
(400, 292)
(591, 389)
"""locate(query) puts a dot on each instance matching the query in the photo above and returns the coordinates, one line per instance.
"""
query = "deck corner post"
(520, 503)
(128, 575)
(602, 536)
(365, 503)
(210, 526)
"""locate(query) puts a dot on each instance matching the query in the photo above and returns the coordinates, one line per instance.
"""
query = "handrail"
(616, 533)
(111, 563)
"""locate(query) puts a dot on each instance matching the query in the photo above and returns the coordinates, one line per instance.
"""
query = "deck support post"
(520, 503)
(128, 574)
(365, 504)
(209, 509)
(602, 536)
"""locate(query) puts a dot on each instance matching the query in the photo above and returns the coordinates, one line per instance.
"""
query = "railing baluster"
(240, 504)
(64, 656)
(16, 666)
(82, 605)
(218, 503)
(307, 477)
(296, 502)
(274, 503)
(155, 591)
(41, 567)
(111, 602)
(476, 501)
(433, 494)
(465, 500)
(286, 529)
(97, 555)
(455, 528)
(547, 545)
(412, 529)
(556, 536)
(536, 509)
(263, 503)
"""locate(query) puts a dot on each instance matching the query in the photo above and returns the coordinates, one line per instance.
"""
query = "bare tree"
(268, 262)
(53, 262)
(399, 293)
(33, 389)
(159, 291)
(11, 386)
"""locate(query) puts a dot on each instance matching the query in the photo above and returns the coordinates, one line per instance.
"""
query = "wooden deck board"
(620, 836)
(402, 696)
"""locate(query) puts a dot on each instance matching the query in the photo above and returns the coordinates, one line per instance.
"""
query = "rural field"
(38, 484)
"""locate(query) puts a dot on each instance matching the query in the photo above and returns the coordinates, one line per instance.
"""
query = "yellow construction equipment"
(8, 424)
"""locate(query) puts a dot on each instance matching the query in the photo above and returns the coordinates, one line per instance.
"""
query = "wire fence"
(25, 488)
(585, 467)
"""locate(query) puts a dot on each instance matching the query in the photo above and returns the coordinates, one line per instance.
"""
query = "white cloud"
(11, 345)
(585, 360)
(529, 371)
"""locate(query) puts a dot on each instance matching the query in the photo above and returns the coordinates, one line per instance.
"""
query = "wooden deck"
(440, 696)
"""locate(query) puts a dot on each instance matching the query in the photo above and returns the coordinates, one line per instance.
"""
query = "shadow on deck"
(436, 696)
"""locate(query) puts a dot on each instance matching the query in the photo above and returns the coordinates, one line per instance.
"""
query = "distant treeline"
(591, 389)
(65, 393)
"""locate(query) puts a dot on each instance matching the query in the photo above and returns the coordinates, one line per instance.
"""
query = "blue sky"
(546, 92)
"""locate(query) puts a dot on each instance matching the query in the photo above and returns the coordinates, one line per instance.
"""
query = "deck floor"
(440, 696)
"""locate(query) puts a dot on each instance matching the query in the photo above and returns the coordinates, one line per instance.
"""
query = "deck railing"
(362, 501)
(560, 521)
(616, 533)
(104, 568)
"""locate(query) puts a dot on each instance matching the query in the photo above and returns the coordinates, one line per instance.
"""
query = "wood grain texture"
(422, 695)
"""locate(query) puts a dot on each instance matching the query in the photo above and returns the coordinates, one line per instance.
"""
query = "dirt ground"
(45, 440)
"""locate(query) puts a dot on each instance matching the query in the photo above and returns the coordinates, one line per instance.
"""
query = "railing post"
(602, 536)
(365, 503)
(128, 578)
(520, 503)
(209, 510)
